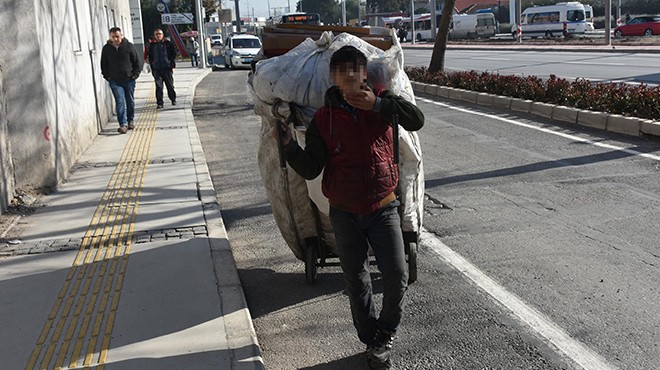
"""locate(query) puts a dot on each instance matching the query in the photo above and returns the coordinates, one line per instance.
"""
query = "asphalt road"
(616, 67)
(565, 225)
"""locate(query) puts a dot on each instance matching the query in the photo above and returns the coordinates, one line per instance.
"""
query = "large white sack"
(301, 76)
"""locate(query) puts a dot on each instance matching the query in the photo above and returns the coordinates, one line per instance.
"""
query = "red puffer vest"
(360, 170)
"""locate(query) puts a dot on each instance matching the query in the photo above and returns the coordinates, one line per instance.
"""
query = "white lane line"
(598, 63)
(538, 322)
(490, 58)
(548, 131)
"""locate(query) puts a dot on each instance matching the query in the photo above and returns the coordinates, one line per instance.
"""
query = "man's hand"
(362, 99)
(284, 129)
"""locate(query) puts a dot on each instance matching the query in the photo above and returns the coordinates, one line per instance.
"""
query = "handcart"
(299, 208)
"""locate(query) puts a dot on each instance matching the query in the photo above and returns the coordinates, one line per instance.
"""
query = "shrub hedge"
(640, 101)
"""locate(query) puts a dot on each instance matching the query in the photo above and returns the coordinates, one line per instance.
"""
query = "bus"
(549, 21)
(422, 23)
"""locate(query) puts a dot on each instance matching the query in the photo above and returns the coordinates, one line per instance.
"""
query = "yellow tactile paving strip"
(78, 329)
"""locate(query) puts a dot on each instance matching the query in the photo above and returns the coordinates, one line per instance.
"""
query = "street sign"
(177, 18)
(160, 7)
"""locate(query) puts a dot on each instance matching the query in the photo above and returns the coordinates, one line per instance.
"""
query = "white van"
(548, 21)
(589, 17)
(239, 49)
(472, 26)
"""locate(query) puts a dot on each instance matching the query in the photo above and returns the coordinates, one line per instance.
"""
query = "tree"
(386, 6)
(329, 10)
(440, 47)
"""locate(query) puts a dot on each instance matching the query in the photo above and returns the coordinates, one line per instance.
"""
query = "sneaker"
(122, 129)
(159, 105)
(130, 125)
(173, 102)
(378, 353)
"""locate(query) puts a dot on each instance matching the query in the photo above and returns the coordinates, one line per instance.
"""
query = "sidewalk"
(128, 265)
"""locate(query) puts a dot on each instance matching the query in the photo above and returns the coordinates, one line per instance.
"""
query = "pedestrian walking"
(194, 52)
(161, 56)
(121, 66)
(351, 140)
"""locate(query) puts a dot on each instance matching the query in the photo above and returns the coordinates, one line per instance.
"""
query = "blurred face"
(158, 35)
(116, 37)
(349, 77)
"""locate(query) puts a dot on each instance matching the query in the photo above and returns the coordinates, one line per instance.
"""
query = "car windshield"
(247, 43)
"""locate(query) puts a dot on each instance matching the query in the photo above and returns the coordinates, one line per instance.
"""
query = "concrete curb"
(610, 122)
(241, 336)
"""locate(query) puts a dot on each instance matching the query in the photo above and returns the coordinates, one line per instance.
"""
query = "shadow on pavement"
(356, 361)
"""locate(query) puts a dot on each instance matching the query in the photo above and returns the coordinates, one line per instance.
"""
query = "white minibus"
(549, 20)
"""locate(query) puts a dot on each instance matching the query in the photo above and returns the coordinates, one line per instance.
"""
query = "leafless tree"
(438, 58)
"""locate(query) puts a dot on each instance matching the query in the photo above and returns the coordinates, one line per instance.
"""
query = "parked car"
(239, 49)
(647, 25)
(216, 39)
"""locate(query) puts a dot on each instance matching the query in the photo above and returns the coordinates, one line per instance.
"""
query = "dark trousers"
(165, 76)
(382, 231)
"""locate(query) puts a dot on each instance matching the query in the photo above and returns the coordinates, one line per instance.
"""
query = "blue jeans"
(124, 100)
(382, 231)
(194, 60)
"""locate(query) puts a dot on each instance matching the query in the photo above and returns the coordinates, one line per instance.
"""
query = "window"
(575, 15)
(547, 17)
(246, 43)
(485, 22)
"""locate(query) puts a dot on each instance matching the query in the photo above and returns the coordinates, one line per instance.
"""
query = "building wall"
(55, 100)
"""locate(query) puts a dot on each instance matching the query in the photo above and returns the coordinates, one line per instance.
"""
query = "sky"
(260, 6)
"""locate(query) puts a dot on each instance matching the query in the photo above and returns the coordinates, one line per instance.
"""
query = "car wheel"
(618, 34)
(648, 32)
(548, 35)
(419, 37)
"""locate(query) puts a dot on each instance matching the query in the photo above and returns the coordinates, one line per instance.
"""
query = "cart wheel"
(412, 262)
(311, 256)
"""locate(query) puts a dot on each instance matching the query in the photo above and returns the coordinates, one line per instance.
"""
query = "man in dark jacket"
(121, 66)
(351, 136)
(161, 55)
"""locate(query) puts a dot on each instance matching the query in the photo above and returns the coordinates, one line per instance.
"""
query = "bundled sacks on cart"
(291, 87)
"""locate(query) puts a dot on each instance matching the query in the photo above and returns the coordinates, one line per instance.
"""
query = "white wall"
(54, 96)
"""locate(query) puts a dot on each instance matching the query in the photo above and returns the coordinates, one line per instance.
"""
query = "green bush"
(641, 101)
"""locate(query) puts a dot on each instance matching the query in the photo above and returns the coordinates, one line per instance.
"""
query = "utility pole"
(608, 22)
(200, 33)
(412, 21)
(434, 25)
(238, 16)
(343, 13)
